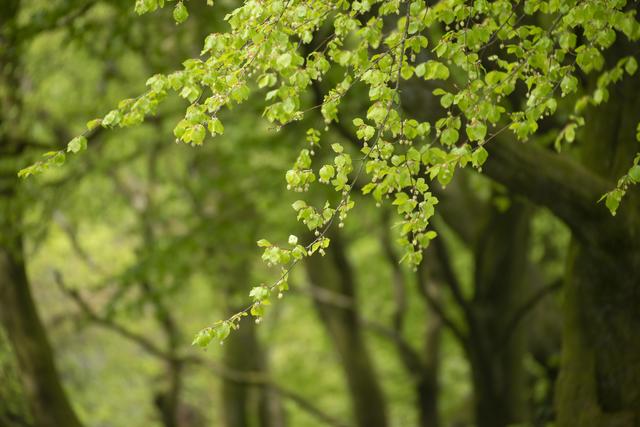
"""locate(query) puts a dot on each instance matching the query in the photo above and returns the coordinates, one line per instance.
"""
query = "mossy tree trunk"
(47, 400)
(14, 410)
(48, 403)
(600, 375)
(600, 367)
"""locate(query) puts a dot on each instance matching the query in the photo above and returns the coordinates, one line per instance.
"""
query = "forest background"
(112, 263)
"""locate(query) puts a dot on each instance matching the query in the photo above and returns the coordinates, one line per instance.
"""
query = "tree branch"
(59, 18)
(436, 307)
(449, 277)
(93, 316)
(526, 308)
(567, 189)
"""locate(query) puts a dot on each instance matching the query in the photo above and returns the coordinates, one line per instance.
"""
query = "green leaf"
(631, 66)
(476, 131)
(223, 331)
(215, 126)
(77, 144)
(180, 13)
(284, 60)
(112, 118)
(264, 243)
(406, 72)
(480, 156)
(449, 136)
(337, 148)
(570, 132)
(569, 84)
(634, 173)
(432, 70)
(92, 124)
(198, 133)
(326, 173)
(613, 199)
(203, 338)
(299, 204)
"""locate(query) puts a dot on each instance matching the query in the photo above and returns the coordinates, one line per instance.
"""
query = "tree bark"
(496, 354)
(13, 405)
(247, 405)
(422, 365)
(600, 370)
(333, 272)
(47, 400)
(428, 384)
(494, 342)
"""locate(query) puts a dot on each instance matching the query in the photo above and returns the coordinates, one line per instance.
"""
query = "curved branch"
(526, 308)
(567, 189)
(107, 323)
(437, 308)
(450, 278)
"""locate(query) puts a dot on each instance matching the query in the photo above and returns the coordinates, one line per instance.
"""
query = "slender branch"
(450, 278)
(107, 323)
(60, 18)
(526, 308)
(72, 234)
(436, 307)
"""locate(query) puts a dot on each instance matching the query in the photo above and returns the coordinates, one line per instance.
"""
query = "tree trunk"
(494, 343)
(496, 354)
(47, 400)
(248, 405)
(13, 405)
(600, 369)
(333, 272)
(600, 372)
(428, 387)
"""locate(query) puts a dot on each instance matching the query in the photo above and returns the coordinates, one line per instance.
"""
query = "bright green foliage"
(180, 13)
(280, 48)
(614, 197)
(77, 144)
